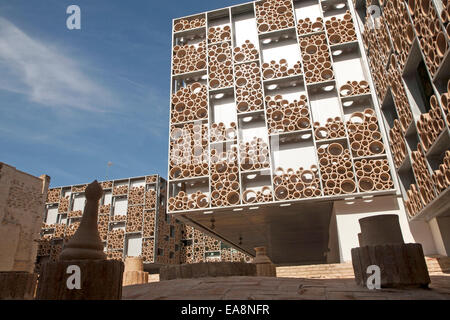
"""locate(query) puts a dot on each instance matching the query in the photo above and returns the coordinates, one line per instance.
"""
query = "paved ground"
(260, 288)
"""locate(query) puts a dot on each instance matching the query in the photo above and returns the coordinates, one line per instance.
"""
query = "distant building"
(132, 221)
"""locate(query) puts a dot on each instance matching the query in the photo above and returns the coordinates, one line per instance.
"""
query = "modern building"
(132, 221)
(290, 120)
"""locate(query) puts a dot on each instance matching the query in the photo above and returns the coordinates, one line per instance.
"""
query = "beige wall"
(440, 228)
(346, 215)
(22, 198)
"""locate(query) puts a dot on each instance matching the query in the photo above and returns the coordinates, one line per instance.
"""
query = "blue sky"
(72, 100)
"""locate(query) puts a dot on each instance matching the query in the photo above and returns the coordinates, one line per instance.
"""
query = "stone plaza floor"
(263, 288)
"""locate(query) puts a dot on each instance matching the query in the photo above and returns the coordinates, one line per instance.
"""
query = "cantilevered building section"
(408, 53)
(277, 137)
(132, 221)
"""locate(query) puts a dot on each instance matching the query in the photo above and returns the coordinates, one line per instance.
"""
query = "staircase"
(436, 266)
(318, 271)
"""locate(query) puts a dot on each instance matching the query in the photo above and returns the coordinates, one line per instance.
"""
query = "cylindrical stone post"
(17, 285)
(264, 267)
(99, 280)
(360, 240)
(381, 229)
(134, 271)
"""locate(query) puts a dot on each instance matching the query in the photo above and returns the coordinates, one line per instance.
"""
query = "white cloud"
(44, 75)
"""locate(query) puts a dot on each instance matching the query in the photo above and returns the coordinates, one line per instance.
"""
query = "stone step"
(321, 271)
(435, 265)
(438, 264)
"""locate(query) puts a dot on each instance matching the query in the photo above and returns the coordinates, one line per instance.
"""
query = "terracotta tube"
(360, 173)
(221, 167)
(279, 171)
(324, 162)
(233, 198)
(447, 177)
(337, 190)
(175, 172)
(326, 74)
(348, 186)
(445, 101)
(366, 184)
(335, 149)
(381, 186)
(308, 192)
(372, 127)
(441, 44)
(234, 185)
(179, 205)
(346, 90)
(376, 147)
(281, 193)
(299, 186)
(191, 204)
(266, 191)
(330, 184)
(277, 180)
(223, 192)
(423, 196)
(264, 27)
(307, 176)
(438, 180)
(335, 38)
(198, 171)
(321, 133)
(411, 7)
(385, 177)
(249, 196)
(445, 13)
(355, 145)
(303, 123)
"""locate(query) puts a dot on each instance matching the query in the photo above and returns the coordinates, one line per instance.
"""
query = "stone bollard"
(381, 229)
(83, 273)
(360, 240)
(134, 271)
(381, 244)
(17, 285)
(264, 267)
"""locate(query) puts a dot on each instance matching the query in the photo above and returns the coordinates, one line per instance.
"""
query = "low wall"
(207, 269)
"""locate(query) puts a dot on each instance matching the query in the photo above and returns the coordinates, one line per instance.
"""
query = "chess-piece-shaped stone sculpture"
(82, 272)
(264, 266)
(86, 243)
